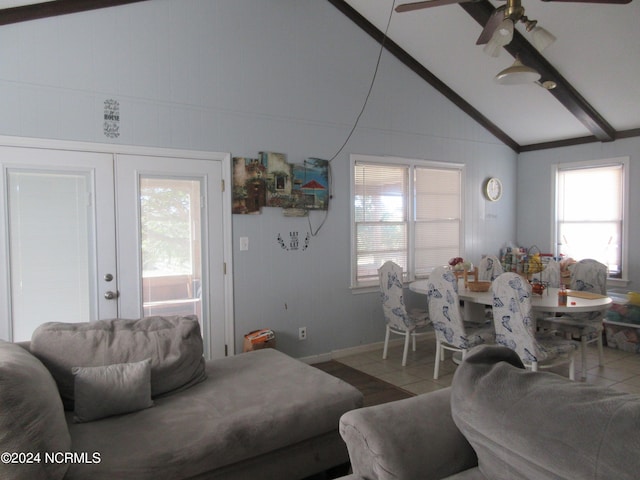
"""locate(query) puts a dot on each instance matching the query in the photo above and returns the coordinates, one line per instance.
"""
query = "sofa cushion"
(173, 344)
(111, 390)
(526, 425)
(407, 439)
(31, 416)
(250, 405)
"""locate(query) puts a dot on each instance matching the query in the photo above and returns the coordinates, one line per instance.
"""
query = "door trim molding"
(223, 157)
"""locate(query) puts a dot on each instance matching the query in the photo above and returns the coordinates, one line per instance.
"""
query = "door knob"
(109, 295)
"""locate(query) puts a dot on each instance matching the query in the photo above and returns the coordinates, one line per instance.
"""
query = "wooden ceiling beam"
(37, 11)
(424, 73)
(564, 92)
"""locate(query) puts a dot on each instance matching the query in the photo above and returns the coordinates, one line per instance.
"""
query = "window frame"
(624, 162)
(411, 164)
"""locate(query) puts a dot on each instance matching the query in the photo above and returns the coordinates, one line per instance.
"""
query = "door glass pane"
(170, 225)
(50, 217)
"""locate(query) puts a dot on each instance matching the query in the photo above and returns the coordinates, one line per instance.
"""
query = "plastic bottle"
(562, 296)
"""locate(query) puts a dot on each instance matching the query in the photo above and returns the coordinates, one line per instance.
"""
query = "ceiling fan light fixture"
(492, 49)
(502, 35)
(528, 23)
(505, 31)
(542, 38)
(517, 74)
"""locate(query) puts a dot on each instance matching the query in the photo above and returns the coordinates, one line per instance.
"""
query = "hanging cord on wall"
(355, 124)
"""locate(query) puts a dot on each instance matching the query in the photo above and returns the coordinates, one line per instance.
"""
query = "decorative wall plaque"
(111, 123)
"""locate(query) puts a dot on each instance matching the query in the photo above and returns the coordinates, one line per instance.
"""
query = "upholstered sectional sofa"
(498, 421)
(141, 403)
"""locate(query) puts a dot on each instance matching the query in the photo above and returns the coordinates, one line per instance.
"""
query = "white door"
(174, 218)
(59, 205)
(79, 242)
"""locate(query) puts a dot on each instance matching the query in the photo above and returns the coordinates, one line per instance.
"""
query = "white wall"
(535, 195)
(243, 76)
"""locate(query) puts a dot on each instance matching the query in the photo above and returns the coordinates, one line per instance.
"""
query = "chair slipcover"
(444, 311)
(398, 320)
(550, 275)
(515, 326)
(588, 276)
(395, 312)
(452, 333)
(489, 268)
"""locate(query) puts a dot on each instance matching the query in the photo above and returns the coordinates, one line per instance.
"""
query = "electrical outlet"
(302, 333)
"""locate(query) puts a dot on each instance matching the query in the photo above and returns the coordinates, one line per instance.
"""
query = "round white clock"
(493, 189)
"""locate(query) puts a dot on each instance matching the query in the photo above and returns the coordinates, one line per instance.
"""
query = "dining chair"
(444, 310)
(489, 268)
(398, 320)
(515, 327)
(550, 276)
(587, 275)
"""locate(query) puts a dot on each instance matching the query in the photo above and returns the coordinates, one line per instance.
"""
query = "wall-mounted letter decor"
(111, 125)
(293, 242)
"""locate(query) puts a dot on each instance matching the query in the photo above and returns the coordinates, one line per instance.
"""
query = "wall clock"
(493, 189)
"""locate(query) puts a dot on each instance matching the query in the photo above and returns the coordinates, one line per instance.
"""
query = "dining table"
(475, 303)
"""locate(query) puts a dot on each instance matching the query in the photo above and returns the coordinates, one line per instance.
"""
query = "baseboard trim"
(345, 352)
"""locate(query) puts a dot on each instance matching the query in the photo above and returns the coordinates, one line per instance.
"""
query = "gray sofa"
(143, 404)
(498, 421)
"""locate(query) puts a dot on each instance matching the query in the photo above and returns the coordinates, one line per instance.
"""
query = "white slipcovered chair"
(444, 310)
(587, 276)
(489, 268)
(399, 321)
(515, 327)
(550, 276)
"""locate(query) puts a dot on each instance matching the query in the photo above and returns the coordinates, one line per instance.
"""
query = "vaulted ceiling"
(594, 62)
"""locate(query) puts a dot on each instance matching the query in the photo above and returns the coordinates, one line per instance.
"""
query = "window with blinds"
(407, 211)
(590, 213)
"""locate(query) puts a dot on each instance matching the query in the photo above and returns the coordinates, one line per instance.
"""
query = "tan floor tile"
(621, 370)
(399, 379)
(424, 386)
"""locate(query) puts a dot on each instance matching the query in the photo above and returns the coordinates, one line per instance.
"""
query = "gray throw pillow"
(31, 416)
(174, 345)
(111, 390)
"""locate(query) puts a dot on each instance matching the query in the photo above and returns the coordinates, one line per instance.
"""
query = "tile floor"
(621, 370)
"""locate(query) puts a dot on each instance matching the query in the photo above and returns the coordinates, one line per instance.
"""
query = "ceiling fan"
(499, 29)
(498, 32)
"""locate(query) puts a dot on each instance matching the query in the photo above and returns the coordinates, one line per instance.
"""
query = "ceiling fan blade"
(408, 7)
(613, 2)
(494, 20)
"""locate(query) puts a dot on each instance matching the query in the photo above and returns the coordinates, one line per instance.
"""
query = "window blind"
(590, 214)
(407, 213)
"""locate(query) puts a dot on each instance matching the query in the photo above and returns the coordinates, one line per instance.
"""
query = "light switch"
(244, 244)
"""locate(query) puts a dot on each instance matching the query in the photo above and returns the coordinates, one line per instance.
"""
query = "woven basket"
(479, 286)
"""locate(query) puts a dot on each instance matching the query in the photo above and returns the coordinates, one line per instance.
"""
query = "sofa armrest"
(407, 439)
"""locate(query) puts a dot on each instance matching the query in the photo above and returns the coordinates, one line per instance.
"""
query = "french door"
(88, 236)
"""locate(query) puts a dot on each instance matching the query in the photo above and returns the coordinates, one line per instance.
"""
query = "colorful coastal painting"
(271, 181)
(311, 184)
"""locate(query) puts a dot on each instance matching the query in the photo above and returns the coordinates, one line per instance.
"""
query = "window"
(590, 212)
(407, 211)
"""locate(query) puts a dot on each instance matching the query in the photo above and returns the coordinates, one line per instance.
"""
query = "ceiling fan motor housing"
(514, 10)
